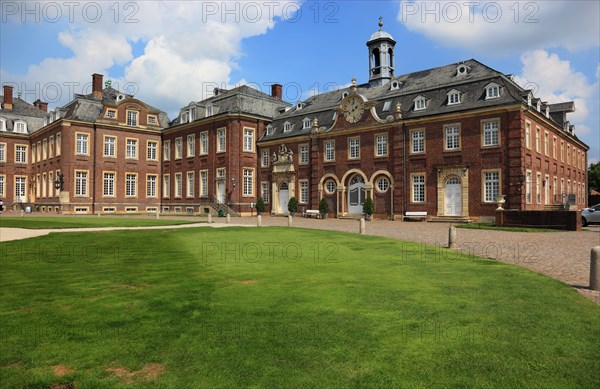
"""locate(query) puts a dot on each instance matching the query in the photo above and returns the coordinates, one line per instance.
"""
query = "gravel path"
(561, 255)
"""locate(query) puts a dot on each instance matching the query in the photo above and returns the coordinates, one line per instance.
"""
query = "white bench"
(311, 213)
(416, 215)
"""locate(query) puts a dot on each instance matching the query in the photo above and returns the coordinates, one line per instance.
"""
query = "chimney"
(8, 97)
(41, 105)
(97, 85)
(277, 91)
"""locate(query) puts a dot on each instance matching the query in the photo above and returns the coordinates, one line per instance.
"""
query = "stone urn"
(500, 199)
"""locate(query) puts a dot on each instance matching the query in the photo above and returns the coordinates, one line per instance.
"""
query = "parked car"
(590, 215)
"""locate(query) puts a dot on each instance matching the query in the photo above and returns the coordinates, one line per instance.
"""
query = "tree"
(594, 176)
(293, 205)
(368, 206)
(260, 205)
(323, 207)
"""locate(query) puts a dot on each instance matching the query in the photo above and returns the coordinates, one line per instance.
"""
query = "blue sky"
(170, 53)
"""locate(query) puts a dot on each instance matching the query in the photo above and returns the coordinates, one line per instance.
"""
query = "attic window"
(454, 97)
(420, 103)
(538, 106)
(152, 119)
(387, 105)
(270, 130)
(120, 97)
(287, 127)
(529, 100)
(344, 95)
(395, 85)
(209, 110)
(111, 113)
(547, 111)
(2, 124)
(462, 70)
(492, 91)
(306, 123)
(20, 127)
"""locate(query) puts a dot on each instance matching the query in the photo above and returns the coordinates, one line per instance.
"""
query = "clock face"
(353, 109)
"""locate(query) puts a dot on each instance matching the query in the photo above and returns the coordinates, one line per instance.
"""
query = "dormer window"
(20, 127)
(270, 130)
(152, 120)
(492, 91)
(2, 124)
(287, 127)
(547, 111)
(387, 105)
(395, 85)
(111, 113)
(529, 99)
(420, 103)
(344, 95)
(454, 97)
(299, 105)
(184, 117)
(538, 106)
(306, 123)
(120, 97)
(209, 110)
(462, 70)
(132, 118)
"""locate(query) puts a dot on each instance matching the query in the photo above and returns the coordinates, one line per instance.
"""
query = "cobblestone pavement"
(561, 255)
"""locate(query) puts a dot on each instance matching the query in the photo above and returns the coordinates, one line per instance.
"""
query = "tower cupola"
(381, 56)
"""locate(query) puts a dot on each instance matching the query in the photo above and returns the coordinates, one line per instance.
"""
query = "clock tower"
(381, 56)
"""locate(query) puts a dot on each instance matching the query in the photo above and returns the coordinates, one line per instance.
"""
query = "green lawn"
(492, 226)
(33, 222)
(211, 308)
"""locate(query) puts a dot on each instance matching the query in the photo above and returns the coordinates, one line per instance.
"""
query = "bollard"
(451, 236)
(259, 221)
(362, 229)
(595, 268)
(209, 218)
(228, 219)
(290, 218)
(98, 213)
(22, 213)
(157, 215)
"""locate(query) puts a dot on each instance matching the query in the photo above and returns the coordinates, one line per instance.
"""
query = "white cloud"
(187, 46)
(501, 26)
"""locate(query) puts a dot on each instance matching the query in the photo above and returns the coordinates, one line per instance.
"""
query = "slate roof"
(23, 111)
(433, 84)
(242, 99)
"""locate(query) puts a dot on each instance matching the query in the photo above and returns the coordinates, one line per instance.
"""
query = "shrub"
(293, 205)
(260, 205)
(323, 207)
(368, 206)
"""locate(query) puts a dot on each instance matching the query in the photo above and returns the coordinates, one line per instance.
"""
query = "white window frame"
(304, 190)
(58, 144)
(418, 181)
(2, 152)
(167, 150)
(528, 187)
(132, 118)
(204, 183)
(178, 185)
(81, 183)
(152, 150)
(303, 154)
(264, 158)
(381, 145)
(131, 191)
(131, 148)
(178, 148)
(265, 189)
(221, 140)
(151, 185)
(82, 143)
(108, 183)
(454, 97)
(452, 141)
(248, 139)
(492, 91)
(490, 136)
(248, 182)
(190, 178)
(166, 183)
(417, 141)
(204, 143)
(21, 153)
(491, 184)
(329, 150)
(420, 103)
(191, 145)
(110, 150)
(354, 147)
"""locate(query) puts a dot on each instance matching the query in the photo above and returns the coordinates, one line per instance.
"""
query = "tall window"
(265, 191)
(354, 148)
(131, 185)
(547, 189)
(417, 141)
(131, 149)
(538, 134)
(108, 184)
(110, 146)
(2, 185)
(81, 179)
(329, 150)
(151, 185)
(20, 188)
(178, 147)
(381, 145)
(51, 147)
(528, 183)
(58, 144)
(303, 191)
(303, 154)
(491, 186)
(178, 184)
(38, 150)
(81, 147)
(538, 188)
(490, 133)
(264, 160)
(152, 151)
(248, 189)
(568, 154)
(248, 139)
(528, 135)
(132, 118)
(191, 145)
(418, 189)
(452, 138)
(546, 143)
(554, 147)
(20, 154)
(2, 152)
(33, 149)
(190, 184)
(562, 151)
(204, 143)
(50, 184)
(222, 138)
(167, 150)
(166, 186)
(45, 148)
(204, 183)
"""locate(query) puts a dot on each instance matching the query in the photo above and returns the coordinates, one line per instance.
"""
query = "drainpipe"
(94, 172)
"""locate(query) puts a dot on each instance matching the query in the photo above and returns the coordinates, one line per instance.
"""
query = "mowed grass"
(32, 222)
(279, 307)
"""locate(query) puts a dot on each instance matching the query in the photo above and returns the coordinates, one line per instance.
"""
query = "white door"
(356, 195)
(284, 197)
(221, 191)
(453, 197)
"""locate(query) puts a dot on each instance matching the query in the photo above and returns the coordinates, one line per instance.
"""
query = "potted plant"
(368, 208)
(293, 206)
(260, 206)
(323, 208)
